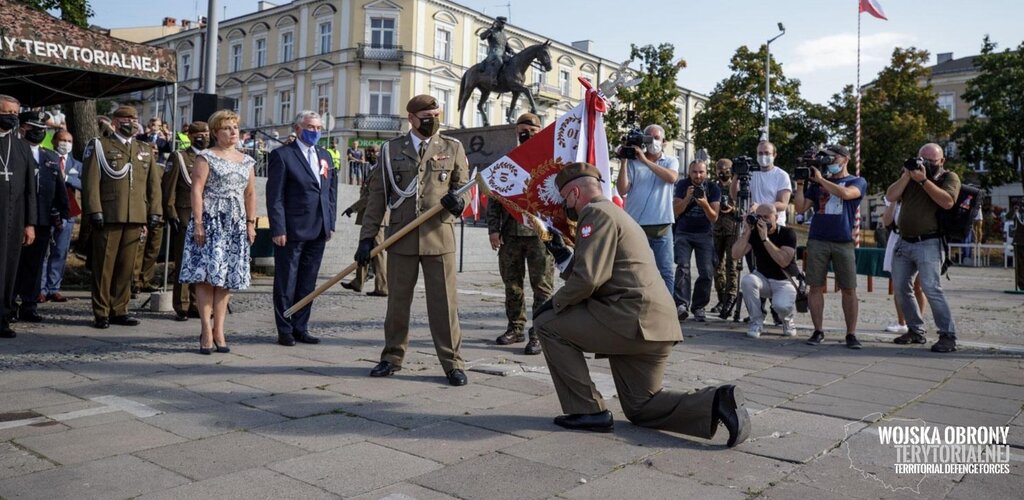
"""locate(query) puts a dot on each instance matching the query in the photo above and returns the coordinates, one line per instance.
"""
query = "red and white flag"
(523, 180)
(473, 207)
(874, 8)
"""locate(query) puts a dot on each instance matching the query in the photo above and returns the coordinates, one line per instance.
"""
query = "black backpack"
(955, 222)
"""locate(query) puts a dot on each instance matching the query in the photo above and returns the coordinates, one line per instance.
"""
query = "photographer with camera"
(774, 252)
(695, 206)
(835, 196)
(723, 233)
(770, 184)
(646, 179)
(924, 189)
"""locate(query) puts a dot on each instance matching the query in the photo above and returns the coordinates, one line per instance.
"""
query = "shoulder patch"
(586, 230)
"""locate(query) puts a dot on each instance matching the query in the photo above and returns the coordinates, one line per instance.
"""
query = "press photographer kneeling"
(774, 248)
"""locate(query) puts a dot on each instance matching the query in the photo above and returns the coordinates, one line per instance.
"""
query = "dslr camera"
(915, 163)
(698, 192)
(752, 219)
(743, 165)
(634, 137)
(812, 158)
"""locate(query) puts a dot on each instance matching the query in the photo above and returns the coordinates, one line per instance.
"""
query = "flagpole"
(856, 154)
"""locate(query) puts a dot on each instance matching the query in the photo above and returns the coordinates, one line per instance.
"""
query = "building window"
(284, 106)
(259, 54)
(236, 56)
(481, 52)
(185, 65)
(444, 98)
(324, 29)
(381, 96)
(382, 32)
(183, 114)
(538, 77)
(287, 46)
(563, 81)
(443, 44)
(322, 98)
(257, 110)
(948, 103)
(583, 91)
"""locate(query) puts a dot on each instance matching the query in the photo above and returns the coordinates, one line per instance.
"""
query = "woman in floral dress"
(223, 225)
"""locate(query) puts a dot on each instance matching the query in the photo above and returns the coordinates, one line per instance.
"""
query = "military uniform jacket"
(444, 167)
(129, 199)
(501, 222)
(359, 207)
(614, 275)
(176, 192)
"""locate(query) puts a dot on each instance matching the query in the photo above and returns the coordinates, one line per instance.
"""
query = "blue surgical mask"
(310, 137)
(834, 169)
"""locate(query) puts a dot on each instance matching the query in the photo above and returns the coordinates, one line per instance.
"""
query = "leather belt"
(918, 239)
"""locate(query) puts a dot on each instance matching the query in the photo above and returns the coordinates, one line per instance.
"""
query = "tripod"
(742, 207)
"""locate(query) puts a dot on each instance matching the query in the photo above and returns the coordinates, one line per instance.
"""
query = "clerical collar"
(4, 134)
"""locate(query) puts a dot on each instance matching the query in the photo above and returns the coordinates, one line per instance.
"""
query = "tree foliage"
(653, 99)
(994, 133)
(76, 12)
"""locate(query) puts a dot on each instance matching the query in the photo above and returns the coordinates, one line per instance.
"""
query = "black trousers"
(296, 266)
(30, 270)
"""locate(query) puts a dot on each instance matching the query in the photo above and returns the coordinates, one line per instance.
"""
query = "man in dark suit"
(52, 209)
(60, 243)
(302, 199)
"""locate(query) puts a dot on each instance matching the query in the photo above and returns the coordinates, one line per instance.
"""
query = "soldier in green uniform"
(417, 172)
(177, 190)
(518, 244)
(380, 277)
(121, 195)
(724, 232)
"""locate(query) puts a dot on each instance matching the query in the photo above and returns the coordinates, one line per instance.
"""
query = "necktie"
(423, 149)
(62, 176)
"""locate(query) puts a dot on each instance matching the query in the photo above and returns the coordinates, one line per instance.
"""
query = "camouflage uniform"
(727, 269)
(519, 244)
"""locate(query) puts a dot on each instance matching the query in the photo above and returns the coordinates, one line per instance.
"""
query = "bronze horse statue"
(509, 78)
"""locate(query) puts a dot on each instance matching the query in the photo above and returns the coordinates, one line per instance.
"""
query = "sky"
(819, 47)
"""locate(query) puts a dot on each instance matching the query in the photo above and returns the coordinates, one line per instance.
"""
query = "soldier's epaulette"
(450, 139)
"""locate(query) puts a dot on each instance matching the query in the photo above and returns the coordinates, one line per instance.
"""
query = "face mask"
(931, 168)
(524, 136)
(764, 161)
(655, 147)
(570, 211)
(200, 142)
(9, 122)
(126, 129)
(35, 135)
(63, 148)
(724, 177)
(428, 126)
(310, 137)
(834, 169)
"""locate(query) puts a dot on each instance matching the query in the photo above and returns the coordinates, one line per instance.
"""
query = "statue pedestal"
(485, 145)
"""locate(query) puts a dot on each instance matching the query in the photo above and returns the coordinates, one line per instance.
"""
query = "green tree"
(653, 99)
(898, 116)
(731, 122)
(994, 133)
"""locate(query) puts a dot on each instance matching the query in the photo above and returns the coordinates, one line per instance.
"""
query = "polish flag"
(473, 207)
(874, 8)
(523, 180)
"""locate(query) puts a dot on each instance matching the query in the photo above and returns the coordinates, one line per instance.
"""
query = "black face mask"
(428, 126)
(9, 122)
(200, 142)
(570, 212)
(126, 129)
(35, 135)
(931, 168)
(724, 177)
(524, 136)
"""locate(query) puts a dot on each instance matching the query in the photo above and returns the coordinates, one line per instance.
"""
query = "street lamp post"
(768, 76)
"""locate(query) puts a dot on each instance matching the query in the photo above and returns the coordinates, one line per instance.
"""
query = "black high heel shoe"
(206, 351)
(222, 348)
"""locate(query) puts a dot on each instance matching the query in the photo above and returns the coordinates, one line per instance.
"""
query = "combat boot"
(533, 346)
(510, 337)
(726, 309)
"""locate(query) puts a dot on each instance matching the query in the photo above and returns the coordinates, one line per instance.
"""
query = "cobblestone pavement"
(135, 412)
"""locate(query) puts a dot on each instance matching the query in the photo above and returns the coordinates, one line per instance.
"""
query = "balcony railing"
(546, 91)
(368, 52)
(377, 122)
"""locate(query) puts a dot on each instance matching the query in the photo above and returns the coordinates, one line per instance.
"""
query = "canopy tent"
(44, 60)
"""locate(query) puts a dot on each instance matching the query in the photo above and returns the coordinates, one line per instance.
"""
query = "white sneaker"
(896, 327)
(789, 329)
(754, 331)
(682, 313)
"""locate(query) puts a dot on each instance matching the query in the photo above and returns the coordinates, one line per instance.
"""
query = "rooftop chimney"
(186, 24)
(169, 22)
(264, 5)
(584, 45)
(944, 57)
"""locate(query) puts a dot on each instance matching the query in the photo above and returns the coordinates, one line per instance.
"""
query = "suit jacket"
(73, 184)
(444, 167)
(51, 196)
(299, 206)
(176, 192)
(163, 146)
(614, 275)
(130, 199)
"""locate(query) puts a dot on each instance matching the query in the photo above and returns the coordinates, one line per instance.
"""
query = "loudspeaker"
(204, 105)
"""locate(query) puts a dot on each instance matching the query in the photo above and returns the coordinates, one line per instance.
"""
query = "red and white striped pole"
(856, 153)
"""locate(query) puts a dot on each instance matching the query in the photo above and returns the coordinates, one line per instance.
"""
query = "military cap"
(421, 102)
(574, 171)
(528, 119)
(837, 149)
(36, 119)
(198, 127)
(501, 19)
(125, 112)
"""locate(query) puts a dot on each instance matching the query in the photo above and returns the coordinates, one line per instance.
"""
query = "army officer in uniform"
(177, 189)
(612, 305)
(121, 194)
(416, 172)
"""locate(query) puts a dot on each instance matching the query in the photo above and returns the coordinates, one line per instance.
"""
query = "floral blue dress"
(224, 260)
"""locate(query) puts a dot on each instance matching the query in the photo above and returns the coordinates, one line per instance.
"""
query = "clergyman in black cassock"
(17, 204)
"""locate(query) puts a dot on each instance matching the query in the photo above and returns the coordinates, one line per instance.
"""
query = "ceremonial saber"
(432, 211)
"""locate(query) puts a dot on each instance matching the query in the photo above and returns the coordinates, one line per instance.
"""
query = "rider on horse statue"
(498, 50)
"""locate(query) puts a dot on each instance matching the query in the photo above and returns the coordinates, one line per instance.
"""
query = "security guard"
(177, 190)
(380, 275)
(613, 304)
(121, 187)
(419, 171)
(516, 244)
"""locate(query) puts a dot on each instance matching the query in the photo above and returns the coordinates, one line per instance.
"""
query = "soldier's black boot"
(726, 309)
(510, 337)
(717, 309)
(533, 346)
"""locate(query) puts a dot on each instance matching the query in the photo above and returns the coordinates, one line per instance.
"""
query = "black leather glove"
(154, 222)
(453, 203)
(96, 220)
(363, 252)
(556, 247)
(546, 306)
(347, 212)
(174, 224)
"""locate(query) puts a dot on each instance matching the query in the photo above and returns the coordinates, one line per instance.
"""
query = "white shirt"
(309, 153)
(122, 138)
(765, 187)
(35, 152)
(416, 142)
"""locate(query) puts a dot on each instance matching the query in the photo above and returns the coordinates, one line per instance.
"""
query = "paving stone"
(827, 364)
(643, 482)
(174, 398)
(797, 376)
(1001, 406)
(212, 420)
(303, 403)
(838, 474)
(788, 490)
(227, 392)
(29, 399)
(975, 486)
(585, 453)
(837, 407)
(103, 370)
(748, 473)
(740, 360)
(325, 432)
(404, 491)
(949, 415)
(32, 430)
(364, 387)
(354, 469)
(497, 476)
(33, 378)
(925, 358)
(89, 443)
(1004, 390)
(909, 371)
(15, 461)
(706, 373)
(246, 484)
(220, 455)
(123, 476)
(477, 396)
(993, 370)
(773, 387)
(281, 382)
(409, 412)
(884, 381)
(448, 442)
(787, 445)
(849, 390)
(528, 419)
(120, 387)
(101, 419)
(527, 384)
